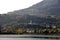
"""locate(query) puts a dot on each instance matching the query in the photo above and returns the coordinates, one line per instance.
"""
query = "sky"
(12, 5)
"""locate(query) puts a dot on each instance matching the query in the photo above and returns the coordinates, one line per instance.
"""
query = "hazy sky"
(11, 5)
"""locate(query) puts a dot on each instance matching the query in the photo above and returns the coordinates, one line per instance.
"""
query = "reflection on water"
(26, 39)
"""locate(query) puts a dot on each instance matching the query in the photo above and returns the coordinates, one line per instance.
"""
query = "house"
(30, 31)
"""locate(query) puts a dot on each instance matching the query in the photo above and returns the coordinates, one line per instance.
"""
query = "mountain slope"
(46, 7)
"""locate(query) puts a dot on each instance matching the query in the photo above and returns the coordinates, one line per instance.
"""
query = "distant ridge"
(46, 7)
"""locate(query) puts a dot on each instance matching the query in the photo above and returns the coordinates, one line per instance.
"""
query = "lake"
(26, 39)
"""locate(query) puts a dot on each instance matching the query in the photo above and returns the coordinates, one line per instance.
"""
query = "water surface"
(26, 39)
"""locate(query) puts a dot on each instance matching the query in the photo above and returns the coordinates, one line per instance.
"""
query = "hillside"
(46, 7)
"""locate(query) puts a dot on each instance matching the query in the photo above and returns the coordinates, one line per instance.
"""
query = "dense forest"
(22, 24)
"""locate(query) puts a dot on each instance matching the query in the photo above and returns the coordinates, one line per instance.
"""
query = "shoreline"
(29, 36)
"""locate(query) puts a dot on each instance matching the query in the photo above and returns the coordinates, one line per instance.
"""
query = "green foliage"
(12, 23)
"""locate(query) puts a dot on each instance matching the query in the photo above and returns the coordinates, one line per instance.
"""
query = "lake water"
(26, 39)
